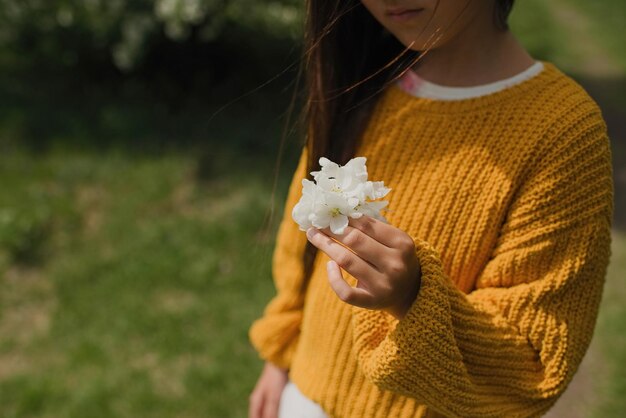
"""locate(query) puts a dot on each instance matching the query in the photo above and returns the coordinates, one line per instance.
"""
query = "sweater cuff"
(275, 337)
(386, 345)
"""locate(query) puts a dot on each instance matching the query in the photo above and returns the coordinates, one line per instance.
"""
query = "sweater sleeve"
(511, 346)
(275, 334)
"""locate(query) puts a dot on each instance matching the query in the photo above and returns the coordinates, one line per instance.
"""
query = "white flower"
(339, 192)
(306, 205)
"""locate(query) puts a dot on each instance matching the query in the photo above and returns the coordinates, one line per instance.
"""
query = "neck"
(481, 54)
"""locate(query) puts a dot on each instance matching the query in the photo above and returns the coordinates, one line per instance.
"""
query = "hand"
(380, 256)
(265, 398)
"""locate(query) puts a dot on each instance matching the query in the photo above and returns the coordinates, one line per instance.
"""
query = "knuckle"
(367, 227)
(353, 238)
(345, 295)
(396, 268)
(344, 261)
(406, 244)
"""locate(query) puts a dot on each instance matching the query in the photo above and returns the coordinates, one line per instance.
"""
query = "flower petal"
(338, 223)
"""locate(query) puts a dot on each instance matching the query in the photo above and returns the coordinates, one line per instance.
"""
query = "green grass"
(139, 302)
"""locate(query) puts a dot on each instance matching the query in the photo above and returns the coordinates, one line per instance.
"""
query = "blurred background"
(138, 148)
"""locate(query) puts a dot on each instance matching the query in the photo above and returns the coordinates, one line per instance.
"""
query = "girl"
(479, 296)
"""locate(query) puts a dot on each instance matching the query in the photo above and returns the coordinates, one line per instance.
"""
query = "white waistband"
(293, 404)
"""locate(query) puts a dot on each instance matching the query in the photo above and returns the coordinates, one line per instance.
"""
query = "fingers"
(352, 263)
(384, 233)
(270, 407)
(264, 404)
(363, 245)
(264, 401)
(352, 295)
(255, 405)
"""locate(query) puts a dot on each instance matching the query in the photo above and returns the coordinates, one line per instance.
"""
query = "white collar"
(411, 83)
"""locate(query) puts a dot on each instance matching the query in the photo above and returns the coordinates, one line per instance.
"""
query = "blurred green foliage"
(23, 234)
(141, 74)
(607, 23)
(61, 33)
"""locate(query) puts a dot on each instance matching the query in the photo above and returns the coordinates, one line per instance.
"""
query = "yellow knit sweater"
(509, 199)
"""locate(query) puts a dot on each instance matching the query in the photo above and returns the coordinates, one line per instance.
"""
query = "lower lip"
(408, 15)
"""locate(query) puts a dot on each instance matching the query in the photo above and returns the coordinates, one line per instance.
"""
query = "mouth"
(402, 15)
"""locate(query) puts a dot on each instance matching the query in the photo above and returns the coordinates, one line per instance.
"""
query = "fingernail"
(311, 232)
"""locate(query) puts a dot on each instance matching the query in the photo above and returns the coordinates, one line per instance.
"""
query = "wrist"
(271, 365)
(399, 311)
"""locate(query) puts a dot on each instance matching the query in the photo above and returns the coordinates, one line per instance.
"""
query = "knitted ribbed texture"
(509, 200)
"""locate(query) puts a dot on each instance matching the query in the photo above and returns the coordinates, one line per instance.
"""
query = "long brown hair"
(349, 59)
